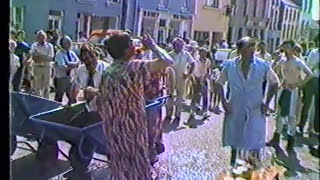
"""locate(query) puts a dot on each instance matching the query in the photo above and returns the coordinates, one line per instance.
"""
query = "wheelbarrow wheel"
(13, 148)
(76, 161)
(47, 151)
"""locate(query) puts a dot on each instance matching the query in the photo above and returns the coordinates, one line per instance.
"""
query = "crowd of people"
(119, 74)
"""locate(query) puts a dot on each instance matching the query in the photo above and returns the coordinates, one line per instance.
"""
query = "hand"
(148, 42)
(290, 86)
(227, 107)
(266, 108)
(27, 62)
(185, 76)
(90, 92)
(36, 53)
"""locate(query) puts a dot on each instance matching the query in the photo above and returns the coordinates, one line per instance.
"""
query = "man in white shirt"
(88, 76)
(42, 53)
(182, 58)
(14, 61)
(65, 63)
(201, 74)
(262, 53)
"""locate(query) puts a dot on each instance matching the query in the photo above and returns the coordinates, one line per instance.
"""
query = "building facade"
(249, 18)
(211, 20)
(69, 16)
(274, 30)
(163, 19)
(289, 20)
(308, 27)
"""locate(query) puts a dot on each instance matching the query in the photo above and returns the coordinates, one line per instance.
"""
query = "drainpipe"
(136, 18)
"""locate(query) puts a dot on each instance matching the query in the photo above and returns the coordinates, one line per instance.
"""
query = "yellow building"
(211, 20)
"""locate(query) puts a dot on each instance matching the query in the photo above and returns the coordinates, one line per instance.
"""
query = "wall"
(37, 11)
(209, 18)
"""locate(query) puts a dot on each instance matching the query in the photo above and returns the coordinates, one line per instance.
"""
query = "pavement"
(191, 154)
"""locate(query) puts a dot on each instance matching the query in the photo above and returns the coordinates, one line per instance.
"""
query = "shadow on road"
(291, 162)
(29, 167)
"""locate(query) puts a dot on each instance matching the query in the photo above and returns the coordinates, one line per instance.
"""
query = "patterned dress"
(122, 108)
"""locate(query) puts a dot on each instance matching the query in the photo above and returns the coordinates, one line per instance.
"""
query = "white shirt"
(82, 40)
(62, 61)
(201, 68)
(14, 65)
(266, 56)
(313, 61)
(45, 49)
(181, 61)
(82, 77)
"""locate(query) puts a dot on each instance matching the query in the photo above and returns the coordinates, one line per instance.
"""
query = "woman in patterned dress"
(121, 104)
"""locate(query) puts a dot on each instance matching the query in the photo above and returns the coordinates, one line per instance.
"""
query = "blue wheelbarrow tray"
(76, 125)
(22, 107)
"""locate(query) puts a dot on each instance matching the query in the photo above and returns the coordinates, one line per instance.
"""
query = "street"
(192, 154)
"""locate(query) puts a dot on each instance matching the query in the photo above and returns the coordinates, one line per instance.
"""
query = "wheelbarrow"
(83, 129)
(22, 106)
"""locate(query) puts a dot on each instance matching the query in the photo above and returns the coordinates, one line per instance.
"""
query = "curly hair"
(87, 48)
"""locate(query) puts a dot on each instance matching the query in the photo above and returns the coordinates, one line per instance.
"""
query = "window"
(164, 4)
(87, 1)
(114, 1)
(240, 33)
(17, 17)
(310, 6)
(55, 19)
(245, 7)
(213, 3)
(186, 5)
(234, 4)
(249, 32)
(262, 35)
(265, 5)
(255, 8)
(162, 23)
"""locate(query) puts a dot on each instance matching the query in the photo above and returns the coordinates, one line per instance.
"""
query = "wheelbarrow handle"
(82, 155)
(163, 99)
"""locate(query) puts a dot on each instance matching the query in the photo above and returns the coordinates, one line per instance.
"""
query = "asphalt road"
(191, 154)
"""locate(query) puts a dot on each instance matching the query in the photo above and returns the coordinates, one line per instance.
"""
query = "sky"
(315, 10)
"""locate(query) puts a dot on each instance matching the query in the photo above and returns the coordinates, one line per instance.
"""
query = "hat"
(203, 49)
(193, 44)
(234, 45)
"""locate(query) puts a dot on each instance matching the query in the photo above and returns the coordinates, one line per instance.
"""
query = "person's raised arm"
(164, 59)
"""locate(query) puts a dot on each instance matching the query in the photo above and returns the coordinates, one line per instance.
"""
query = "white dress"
(245, 127)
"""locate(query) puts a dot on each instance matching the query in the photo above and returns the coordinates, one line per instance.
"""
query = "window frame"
(56, 18)
(213, 3)
(163, 4)
(15, 16)
(112, 1)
